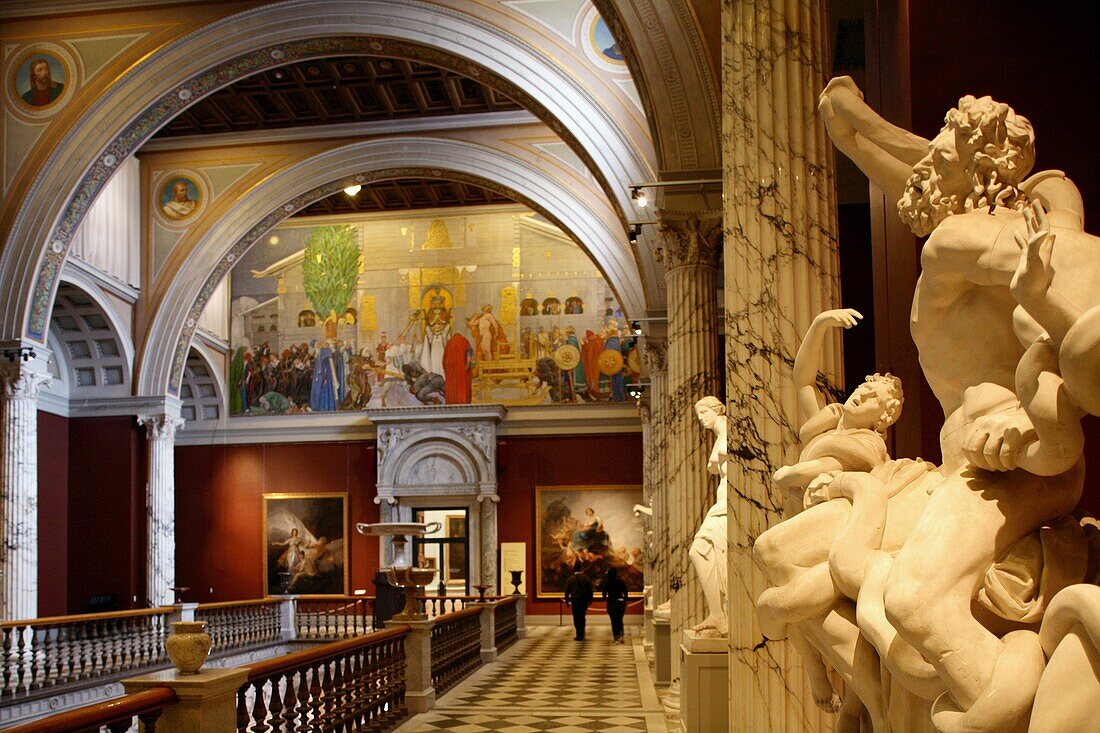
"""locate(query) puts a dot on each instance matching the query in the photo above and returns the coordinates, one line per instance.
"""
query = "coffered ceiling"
(336, 90)
(403, 194)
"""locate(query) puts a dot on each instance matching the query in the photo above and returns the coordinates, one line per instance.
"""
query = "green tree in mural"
(331, 269)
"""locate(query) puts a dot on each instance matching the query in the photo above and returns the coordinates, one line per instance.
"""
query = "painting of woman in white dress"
(304, 544)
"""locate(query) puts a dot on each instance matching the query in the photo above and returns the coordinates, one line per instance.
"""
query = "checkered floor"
(548, 682)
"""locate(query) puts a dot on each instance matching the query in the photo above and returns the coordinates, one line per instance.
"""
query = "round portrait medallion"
(41, 80)
(179, 197)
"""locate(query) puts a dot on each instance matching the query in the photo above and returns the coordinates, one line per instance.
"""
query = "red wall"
(53, 514)
(106, 512)
(219, 505)
(527, 462)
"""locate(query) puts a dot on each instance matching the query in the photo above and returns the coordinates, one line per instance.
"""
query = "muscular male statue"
(1004, 320)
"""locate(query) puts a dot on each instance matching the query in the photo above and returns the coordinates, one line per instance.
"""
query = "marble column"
(19, 388)
(489, 545)
(656, 444)
(160, 508)
(781, 268)
(690, 244)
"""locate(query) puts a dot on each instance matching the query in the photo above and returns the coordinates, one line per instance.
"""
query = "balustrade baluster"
(7, 660)
(243, 718)
(50, 655)
(33, 652)
(259, 708)
(315, 706)
(305, 695)
(275, 707)
(22, 656)
(290, 703)
(148, 721)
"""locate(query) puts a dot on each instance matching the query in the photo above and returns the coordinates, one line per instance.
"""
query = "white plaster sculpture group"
(957, 597)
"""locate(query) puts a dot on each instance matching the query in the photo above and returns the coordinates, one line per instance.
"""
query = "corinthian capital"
(160, 427)
(690, 238)
(655, 352)
(20, 383)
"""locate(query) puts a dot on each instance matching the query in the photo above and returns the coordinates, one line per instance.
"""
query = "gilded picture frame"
(608, 536)
(305, 543)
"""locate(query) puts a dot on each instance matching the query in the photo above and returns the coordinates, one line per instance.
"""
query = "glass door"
(446, 550)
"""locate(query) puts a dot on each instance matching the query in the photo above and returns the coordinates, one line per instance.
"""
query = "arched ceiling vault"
(592, 224)
(673, 64)
(171, 78)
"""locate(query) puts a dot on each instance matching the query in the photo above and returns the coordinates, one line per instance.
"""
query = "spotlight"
(639, 196)
(635, 391)
(635, 232)
(353, 189)
(636, 328)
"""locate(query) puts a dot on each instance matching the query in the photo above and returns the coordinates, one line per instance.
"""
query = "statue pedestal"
(662, 651)
(647, 642)
(704, 679)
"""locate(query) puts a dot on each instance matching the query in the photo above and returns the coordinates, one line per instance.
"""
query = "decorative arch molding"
(169, 336)
(216, 55)
(676, 80)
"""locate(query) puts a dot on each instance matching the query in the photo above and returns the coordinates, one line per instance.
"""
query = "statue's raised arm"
(884, 152)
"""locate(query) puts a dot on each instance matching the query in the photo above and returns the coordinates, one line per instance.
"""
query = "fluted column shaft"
(691, 243)
(654, 439)
(781, 268)
(19, 388)
(160, 503)
(656, 442)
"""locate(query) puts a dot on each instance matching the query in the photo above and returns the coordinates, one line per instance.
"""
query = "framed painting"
(594, 525)
(305, 544)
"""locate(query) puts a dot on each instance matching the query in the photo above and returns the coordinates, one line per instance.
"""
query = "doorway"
(447, 550)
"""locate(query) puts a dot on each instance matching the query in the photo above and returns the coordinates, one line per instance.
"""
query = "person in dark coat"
(578, 594)
(614, 594)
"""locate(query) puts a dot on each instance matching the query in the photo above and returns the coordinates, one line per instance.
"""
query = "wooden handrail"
(468, 611)
(237, 604)
(315, 597)
(291, 662)
(102, 713)
(82, 617)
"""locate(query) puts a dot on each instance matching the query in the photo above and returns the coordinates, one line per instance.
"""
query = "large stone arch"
(591, 225)
(217, 54)
(675, 72)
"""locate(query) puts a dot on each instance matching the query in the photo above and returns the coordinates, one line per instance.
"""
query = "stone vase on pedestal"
(188, 645)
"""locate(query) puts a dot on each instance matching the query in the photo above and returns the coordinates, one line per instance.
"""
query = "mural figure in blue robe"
(323, 394)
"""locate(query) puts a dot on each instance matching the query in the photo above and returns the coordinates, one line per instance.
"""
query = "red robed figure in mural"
(456, 370)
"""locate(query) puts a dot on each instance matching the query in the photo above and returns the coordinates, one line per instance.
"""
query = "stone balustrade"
(369, 681)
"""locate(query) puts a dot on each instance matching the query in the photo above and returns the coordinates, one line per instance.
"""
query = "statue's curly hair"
(1003, 145)
(998, 147)
(895, 399)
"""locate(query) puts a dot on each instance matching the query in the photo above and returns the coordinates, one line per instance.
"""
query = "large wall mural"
(451, 306)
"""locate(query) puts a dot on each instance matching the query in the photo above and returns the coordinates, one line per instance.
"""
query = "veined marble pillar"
(656, 444)
(160, 507)
(19, 387)
(781, 269)
(690, 242)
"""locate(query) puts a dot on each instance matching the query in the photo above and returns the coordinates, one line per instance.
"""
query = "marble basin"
(380, 529)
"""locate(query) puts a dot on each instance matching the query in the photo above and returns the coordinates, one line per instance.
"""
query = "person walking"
(578, 594)
(615, 594)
